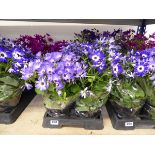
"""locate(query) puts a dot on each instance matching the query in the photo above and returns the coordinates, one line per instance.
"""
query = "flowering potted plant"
(56, 76)
(127, 96)
(97, 84)
(12, 59)
(147, 81)
(134, 65)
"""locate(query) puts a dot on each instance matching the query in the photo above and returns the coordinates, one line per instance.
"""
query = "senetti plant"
(97, 84)
(56, 76)
(145, 69)
(133, 73)
(12, 59)
(127, 96)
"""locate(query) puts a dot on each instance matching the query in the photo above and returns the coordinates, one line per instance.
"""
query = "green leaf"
(75, 89)
(39, 92)
(91, 78)
(51, 88)
(64, 95)
(8, 92)
(9, 81)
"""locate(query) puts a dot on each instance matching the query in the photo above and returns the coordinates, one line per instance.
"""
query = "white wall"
(59, 31)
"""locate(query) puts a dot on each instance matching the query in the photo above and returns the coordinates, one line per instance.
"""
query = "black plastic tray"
(128, 123)
(59, 122)
(11, 116)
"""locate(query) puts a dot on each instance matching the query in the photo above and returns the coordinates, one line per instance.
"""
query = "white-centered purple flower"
(42, 70)
(67, 76)
(42, 84)
(86, 93)
(49, 69)
(152, 77)
(117, 69)
(17, 54)
(56, 55)
(96, 55)
(56, 78)
(141, 69)
(4, 55)
(28, 86)
(152, 66)
(27, 73)
(67, 57)
(59, 85)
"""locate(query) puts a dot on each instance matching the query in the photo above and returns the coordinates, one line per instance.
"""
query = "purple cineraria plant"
(56, 68)
(14, 59)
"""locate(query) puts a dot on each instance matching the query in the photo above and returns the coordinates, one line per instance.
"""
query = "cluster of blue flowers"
(56, 67)
(133, 64)
(143, 62)
(17, 57)
(75, 60)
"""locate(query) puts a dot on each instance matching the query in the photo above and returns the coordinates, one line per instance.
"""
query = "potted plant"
(56, 76)
(12, 59)
(92, 47)
(127, 96)
(147, 82)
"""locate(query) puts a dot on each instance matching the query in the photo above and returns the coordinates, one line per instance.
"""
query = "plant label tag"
(54, 122)
(128, 124)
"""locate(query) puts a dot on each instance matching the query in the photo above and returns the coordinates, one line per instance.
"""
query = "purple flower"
(152, 77)
(117, 69)
(27, 73)
(96, 55)
(36, 64)
(56, 55)
(42, 70)
(28, 86)
(41, 84)
(56, 78)
(101, 68)
(50, 69)
(18, 55)
(68, 63)
(4, 55)
(152, 66)
(141, 69)
(67, 57)
(59, 85)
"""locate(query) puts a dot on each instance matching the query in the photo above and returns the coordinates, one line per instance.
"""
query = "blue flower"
(42, 70)
(59, 85)
(67, 76)
(28, 86)
(101, 68)
(4, 55)
(42, 84)
(56, 77)
(18, 54)
(152, 77)
(49, 69)
(151, 66)
(117, 69)
(141, 69)
(96, 55)
(27, 73)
